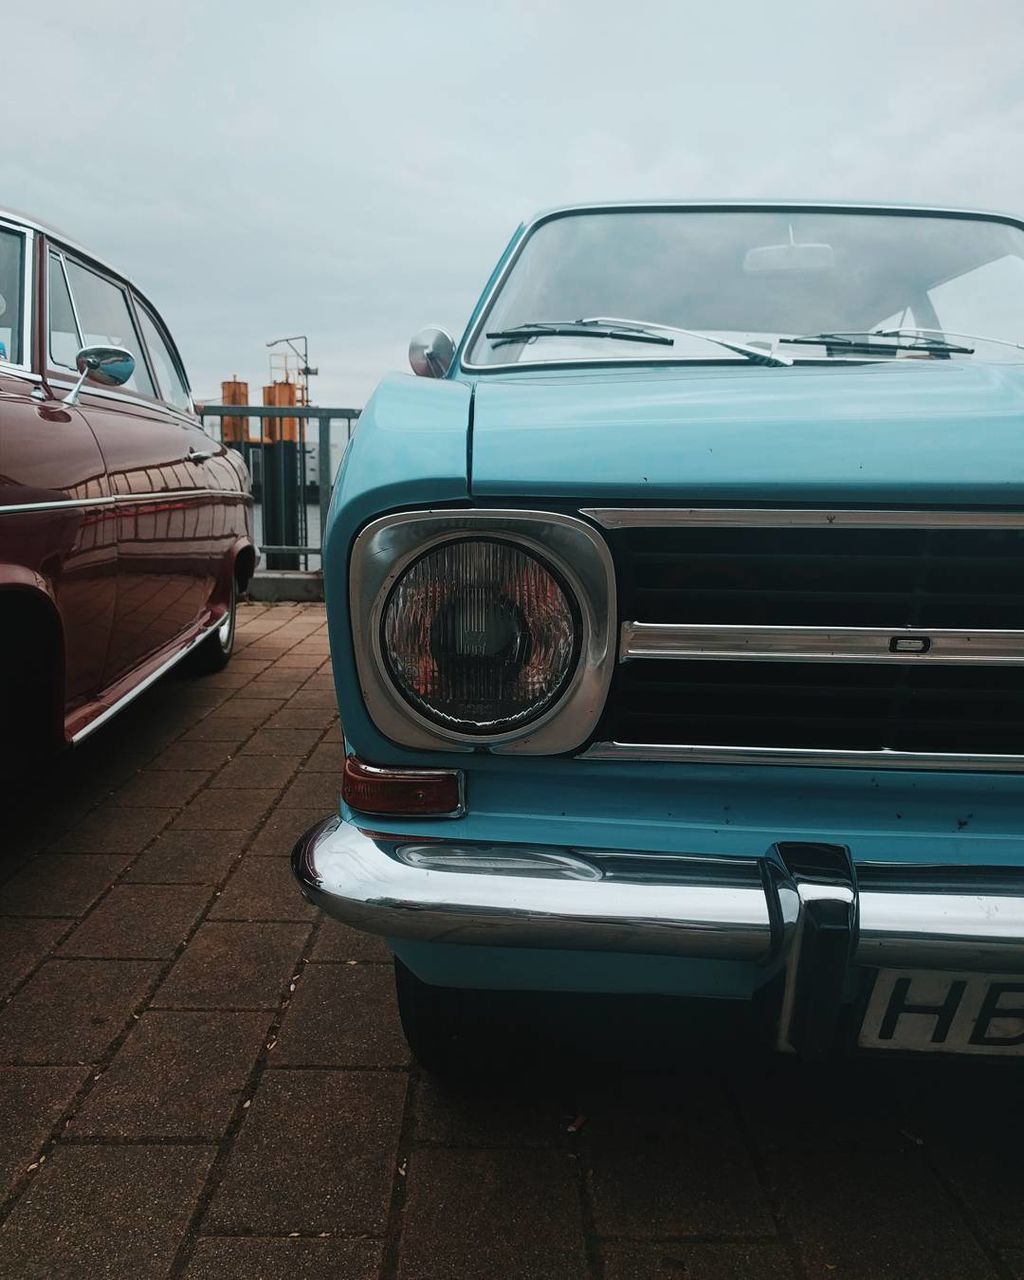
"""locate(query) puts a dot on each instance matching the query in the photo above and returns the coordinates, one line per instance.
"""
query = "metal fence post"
(325, 475)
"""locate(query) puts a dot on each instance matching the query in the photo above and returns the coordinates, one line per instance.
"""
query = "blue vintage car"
(677, 617)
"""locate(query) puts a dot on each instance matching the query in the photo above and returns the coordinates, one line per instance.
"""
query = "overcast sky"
(352, 170)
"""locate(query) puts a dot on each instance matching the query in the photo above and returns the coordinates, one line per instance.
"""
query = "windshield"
(758, 276)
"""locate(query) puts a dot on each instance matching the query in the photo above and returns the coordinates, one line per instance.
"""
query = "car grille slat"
(896, 578)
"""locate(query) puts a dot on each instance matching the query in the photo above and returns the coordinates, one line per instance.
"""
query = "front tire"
(215, 652)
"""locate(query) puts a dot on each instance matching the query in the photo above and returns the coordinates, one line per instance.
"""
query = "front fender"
(409, 450)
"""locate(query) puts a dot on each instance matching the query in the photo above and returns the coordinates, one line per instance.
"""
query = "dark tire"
(439, 1026)
(215, 652)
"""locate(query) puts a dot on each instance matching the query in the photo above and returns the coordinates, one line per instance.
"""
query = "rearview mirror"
(110, 366)
(431, 352)
(789, 257)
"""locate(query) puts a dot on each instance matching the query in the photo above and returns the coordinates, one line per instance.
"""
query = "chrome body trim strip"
(384, 550)
(802, 757)
(121, 500)
(796, 518)
(819, 644)
(355, 879)
(142, 686)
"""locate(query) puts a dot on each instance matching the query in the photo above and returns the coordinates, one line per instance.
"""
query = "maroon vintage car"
(125, 531)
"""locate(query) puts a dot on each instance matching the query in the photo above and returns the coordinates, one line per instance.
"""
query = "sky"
(352, 171)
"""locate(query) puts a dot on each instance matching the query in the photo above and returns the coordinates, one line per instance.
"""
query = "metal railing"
(293, 469)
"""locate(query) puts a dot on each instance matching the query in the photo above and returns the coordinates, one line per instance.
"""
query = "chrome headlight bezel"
(577, 554)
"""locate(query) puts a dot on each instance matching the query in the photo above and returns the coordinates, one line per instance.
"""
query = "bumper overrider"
(802, 909)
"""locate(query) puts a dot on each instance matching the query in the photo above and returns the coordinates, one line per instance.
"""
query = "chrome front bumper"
(761, 911)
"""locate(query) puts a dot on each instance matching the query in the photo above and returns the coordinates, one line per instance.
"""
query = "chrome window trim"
(736, 642)
(386, 547)
(685, 753)
(23, 365)
(797, 517)
(682, 206)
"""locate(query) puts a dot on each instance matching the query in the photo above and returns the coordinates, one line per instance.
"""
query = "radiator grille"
(960, 578)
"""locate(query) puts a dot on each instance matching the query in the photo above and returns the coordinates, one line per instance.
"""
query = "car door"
(162, 567)
(57, 523)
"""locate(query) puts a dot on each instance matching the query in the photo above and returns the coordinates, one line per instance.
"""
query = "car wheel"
(439, 1026)
(215, 652)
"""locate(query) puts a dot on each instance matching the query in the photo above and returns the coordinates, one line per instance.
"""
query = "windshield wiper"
(573, 329)
(925, 333)
(859, 340)
(757, 355)
(628, 331)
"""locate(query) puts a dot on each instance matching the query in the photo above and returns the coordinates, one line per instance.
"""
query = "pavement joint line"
(405, 1147)
(591, 1238)
(992, 1252)
(784, 1233)
(215, 1174)
(103, 1063)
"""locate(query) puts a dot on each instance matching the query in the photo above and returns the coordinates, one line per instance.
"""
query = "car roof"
(54, 233)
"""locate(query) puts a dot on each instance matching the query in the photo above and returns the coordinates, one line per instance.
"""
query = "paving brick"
(336, 943)
(242, 709)
(223, 1258)
(188, 857)
(233, 966)
(59, 884)
(276, 684)
(315, 1153)
(313, 698)
(178, 1075)
(71, 1010)
(281, 742)
(665, 1159)
(104, 1213)
(269, 773)
(329, 757)
(277, 836)
(159, 788)
(758, 1261)
(139, 921)
(1013, 1260)
(262, 889)
(491, 1114)
(23, 944)
(194, 757)
(481, 1214)
(224, 811)
(111, 829)
(220, 728)
(302, 718)
(32, 1100)
(298, 662)
(313, 790)
(342, 1016)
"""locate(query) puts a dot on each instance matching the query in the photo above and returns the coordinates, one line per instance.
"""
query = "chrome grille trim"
(639, 640)
(736, 517)
(682, 753)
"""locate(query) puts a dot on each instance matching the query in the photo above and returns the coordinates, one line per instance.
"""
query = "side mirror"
(431, 352)
(111, 366)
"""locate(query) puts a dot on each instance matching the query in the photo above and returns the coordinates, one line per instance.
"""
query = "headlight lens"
(480, 636)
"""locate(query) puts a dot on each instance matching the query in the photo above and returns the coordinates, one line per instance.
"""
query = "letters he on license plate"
(935, 1012)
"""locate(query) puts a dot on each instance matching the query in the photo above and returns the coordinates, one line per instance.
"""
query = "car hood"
(909, 431)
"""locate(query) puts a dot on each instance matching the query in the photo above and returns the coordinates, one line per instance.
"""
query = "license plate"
(933, 1012)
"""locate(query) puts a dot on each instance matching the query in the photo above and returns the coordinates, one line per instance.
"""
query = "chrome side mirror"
(431, 352)
(110, 366)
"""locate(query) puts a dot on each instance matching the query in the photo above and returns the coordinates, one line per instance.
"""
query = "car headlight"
(480, 636)
(483, 629)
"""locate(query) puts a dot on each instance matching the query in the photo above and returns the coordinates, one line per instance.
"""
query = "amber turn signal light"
(410, 793)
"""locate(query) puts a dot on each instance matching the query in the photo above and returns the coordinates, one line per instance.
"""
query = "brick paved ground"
(202, 1078)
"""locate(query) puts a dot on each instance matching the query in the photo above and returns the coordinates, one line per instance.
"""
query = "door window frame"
(28, 238)
(118, 282)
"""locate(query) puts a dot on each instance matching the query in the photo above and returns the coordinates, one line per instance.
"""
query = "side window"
(106, 321)
(12, 282)
(65, 340)
(172, 384)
